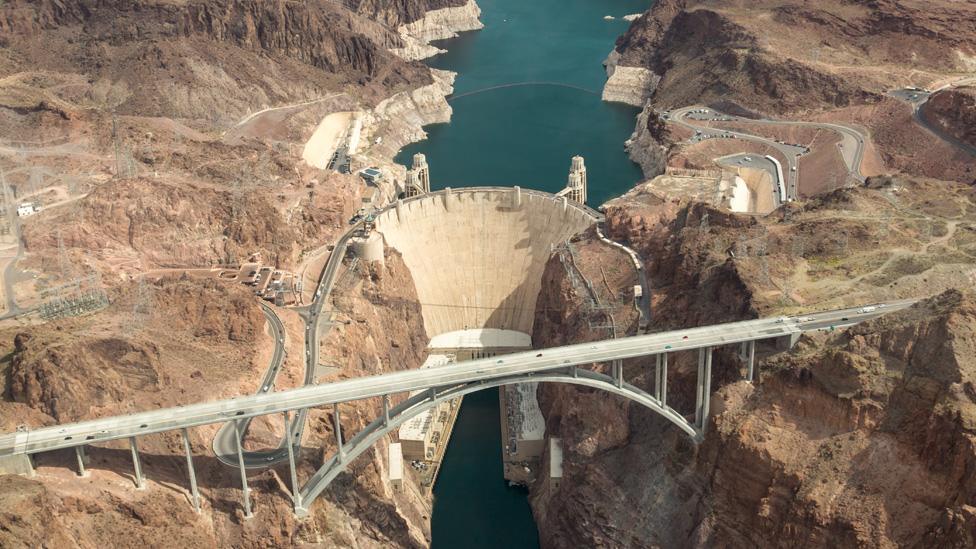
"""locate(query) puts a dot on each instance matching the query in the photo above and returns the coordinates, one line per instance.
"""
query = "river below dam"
(526, 99)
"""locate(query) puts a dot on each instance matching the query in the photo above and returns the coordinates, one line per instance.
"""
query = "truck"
(868, 309)
(638, 291)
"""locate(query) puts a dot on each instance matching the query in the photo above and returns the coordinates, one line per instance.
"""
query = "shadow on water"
(473, 505)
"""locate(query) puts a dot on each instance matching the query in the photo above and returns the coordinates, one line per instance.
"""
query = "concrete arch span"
(427, 400)
(477, 254)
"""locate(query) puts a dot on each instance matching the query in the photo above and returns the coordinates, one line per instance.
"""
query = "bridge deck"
(118, 427)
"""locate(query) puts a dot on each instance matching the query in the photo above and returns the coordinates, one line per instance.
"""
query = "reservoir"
(526, 99)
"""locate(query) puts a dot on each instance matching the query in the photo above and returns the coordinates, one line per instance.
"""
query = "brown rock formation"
(863, 437)
(70, 371)
(207, 57)
(953, 111)
(788, 56)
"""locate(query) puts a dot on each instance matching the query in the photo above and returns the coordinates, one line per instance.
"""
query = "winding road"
(225, 441)
(852, 136)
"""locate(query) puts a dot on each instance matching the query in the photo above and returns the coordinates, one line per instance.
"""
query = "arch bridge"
(565, 364)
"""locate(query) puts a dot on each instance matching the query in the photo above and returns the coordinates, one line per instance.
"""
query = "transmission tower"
(142, 307)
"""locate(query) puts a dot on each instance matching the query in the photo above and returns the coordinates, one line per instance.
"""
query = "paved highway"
(312, 315)
(225, 444)
(225, 441)
(526, 363)
(853, 137)
(918, 99)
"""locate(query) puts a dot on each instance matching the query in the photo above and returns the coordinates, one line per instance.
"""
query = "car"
(684, 337)
(844, 318)
(538, 355)
(667, 346)
(269, 458)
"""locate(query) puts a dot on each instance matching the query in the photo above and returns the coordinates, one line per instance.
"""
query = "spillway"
(477, 254)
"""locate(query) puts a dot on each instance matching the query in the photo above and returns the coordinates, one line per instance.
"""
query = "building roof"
(396, 461)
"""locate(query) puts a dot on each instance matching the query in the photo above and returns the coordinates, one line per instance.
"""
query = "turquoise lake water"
(526, 133)
(526, 99)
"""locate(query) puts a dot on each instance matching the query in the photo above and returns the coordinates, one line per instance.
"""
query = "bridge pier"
(296, 493)
(618, 373)
(194, 493)
(386, 410)
(341, 453)
(704, 388)
(661, 379)
(240, 463)
(750, 369)
(80, 454)
(140, 483)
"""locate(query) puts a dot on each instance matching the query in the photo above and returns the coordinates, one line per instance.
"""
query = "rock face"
(630, 85)
(69, 374)
(864, 437)
(69, 371)
(789, 56)
(206, 57)
(437, 24)
(954, 112)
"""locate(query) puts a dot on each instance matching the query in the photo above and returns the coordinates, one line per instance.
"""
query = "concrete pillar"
(140, 483)
(338, 432)
(194, 493)
(577, 180)
(657, 377)
(750, 369)
(80, 454)
(240, 463)
(517, 197)
(707, 393)
(618, 373)
(17, 464)
(386, 410)
(575, 371)
(703, 388)
(296, 492)
(422, 170)
(664, 381)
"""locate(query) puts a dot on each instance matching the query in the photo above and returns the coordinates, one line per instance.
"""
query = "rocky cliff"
(788, 56)
(200, 343)
(953, 111)
(206, 58)
(437, 24)
(861, 437)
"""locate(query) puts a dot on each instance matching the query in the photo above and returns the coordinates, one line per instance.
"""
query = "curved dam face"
(477, 254)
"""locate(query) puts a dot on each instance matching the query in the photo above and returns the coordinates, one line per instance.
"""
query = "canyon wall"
(953, 111)
(208, 57)
(198, 343)
(437, 24)
(863, 437)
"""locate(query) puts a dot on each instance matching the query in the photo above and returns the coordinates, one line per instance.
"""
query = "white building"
(396, 467)
(420, 434)
(26, 209)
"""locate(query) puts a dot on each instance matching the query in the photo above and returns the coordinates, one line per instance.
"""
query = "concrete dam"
(477, 254)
